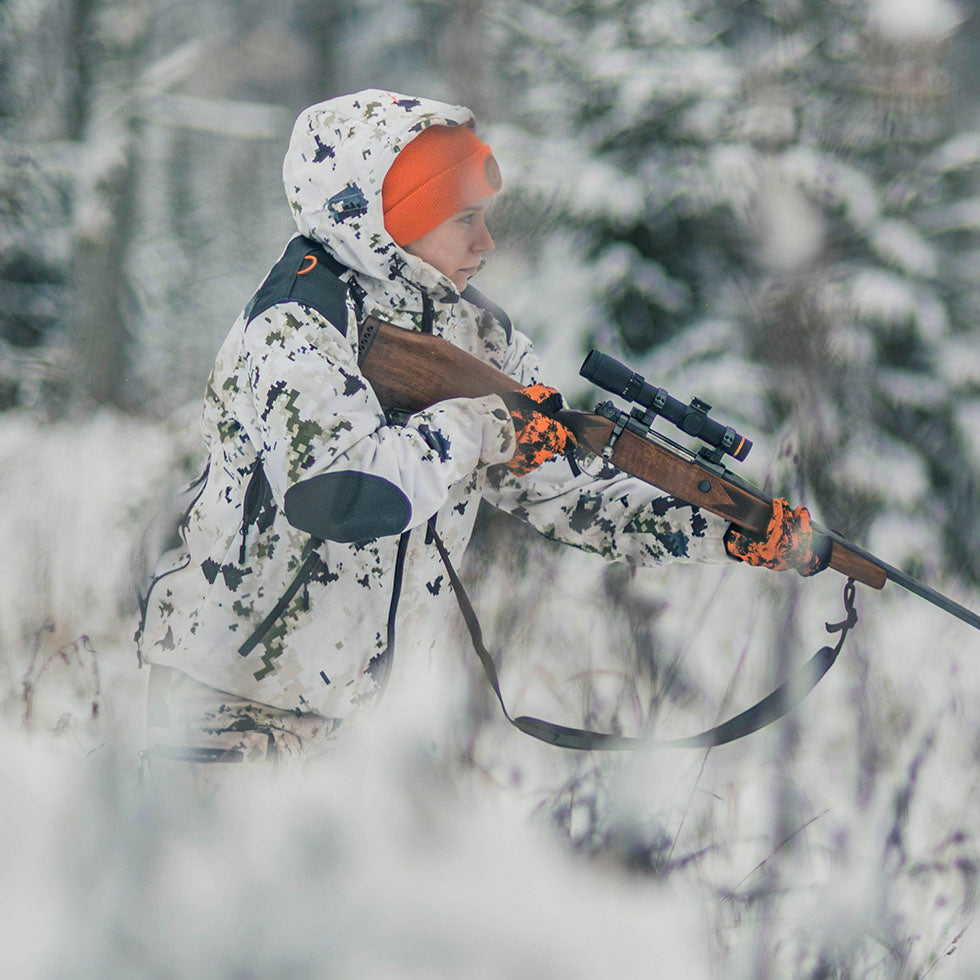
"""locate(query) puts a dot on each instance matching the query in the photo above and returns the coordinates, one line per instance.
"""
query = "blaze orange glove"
(540, 436)
(789, 542)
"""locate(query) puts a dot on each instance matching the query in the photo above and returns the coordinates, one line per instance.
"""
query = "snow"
(888, 463)
(224, 117)
(555, 310)
(833, 182)
(901, 245)
(880, 295)
(960, 152)
(671, 79)
(72, 525)
(960, 361)
(666, 22)
(622, 263)
(914, 20)
(557, 171)
(337, 879)
(767, 123)
(790, 229)
(964, 215)
(968, 419)
(387, 860)
(734, 169)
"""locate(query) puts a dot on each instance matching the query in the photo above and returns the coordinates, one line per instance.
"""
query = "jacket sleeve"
(605, 510)
(337, 468)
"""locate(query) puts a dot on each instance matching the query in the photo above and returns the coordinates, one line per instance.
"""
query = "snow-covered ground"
(436, 841)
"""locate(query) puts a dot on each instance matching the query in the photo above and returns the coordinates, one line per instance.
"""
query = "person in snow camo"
(305, 549)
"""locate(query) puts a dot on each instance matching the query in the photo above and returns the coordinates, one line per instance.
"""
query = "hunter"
(305, 549)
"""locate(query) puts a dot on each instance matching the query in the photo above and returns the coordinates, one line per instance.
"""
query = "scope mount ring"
(619, 418)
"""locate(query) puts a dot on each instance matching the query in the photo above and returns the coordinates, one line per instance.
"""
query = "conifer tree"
(768, 202)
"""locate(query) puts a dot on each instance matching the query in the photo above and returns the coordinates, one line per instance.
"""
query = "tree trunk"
(99, 336)
(99, 339)
(465, 59)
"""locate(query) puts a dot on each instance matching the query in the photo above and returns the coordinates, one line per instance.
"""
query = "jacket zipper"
(299, 580)
(257, 495)
(428, 313)
(142, 600)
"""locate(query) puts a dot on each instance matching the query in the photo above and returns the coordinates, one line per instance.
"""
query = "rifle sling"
(772, 707)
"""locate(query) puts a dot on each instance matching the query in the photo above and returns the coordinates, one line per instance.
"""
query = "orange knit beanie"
(443, 170)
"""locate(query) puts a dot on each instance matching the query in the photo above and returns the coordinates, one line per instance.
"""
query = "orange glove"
(540, 436)
(789, 542)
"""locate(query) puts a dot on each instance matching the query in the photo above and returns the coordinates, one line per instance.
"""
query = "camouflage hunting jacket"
(304, 551)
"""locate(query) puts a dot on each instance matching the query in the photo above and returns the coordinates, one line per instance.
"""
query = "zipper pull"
(428, 313)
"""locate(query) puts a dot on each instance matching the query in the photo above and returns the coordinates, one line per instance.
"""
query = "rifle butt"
(411, 371)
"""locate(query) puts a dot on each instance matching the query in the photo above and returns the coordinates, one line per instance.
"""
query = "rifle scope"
(618, 379)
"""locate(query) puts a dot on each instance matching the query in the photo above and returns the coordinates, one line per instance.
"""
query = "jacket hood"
(338, 155)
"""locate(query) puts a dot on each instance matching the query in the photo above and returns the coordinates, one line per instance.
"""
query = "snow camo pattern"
(286, 390)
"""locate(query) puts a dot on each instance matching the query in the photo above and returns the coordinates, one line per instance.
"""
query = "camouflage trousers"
(196, 731)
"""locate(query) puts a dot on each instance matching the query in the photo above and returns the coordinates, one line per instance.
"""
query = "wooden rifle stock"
(411, 371)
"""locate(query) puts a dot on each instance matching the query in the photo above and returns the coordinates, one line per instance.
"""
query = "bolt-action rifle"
(412, 371)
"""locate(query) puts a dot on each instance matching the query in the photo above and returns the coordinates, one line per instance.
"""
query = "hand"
(540, 436)
(789, 542)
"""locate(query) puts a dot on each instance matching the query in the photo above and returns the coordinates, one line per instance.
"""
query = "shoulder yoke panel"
(306, 274)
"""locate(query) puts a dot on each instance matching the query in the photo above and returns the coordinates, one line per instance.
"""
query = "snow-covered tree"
(767, 201)
(42, 112)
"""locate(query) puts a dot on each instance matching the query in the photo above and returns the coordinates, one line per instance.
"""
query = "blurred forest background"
(773, 204)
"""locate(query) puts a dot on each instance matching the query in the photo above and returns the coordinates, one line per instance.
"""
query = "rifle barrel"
(908, 583)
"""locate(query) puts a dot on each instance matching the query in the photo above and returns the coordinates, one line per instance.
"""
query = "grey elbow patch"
(347, 506)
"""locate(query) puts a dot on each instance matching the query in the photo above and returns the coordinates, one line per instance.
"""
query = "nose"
(484, 241)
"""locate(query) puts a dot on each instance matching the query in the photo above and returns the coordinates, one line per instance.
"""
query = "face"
(457, 247)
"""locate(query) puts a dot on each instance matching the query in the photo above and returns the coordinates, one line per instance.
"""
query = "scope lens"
(741, 448)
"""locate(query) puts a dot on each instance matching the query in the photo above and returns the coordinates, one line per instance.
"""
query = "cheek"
(428, 250)
(455, 241)
(449, 249)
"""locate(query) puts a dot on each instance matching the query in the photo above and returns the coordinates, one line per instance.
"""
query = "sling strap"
(772, 707)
